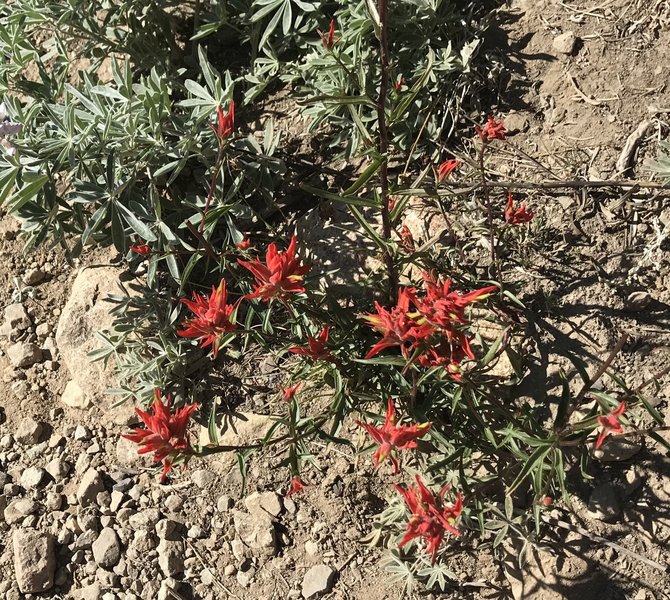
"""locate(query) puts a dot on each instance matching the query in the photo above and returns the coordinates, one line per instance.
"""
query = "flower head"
(430, 519)
(493, 130)
(288, 393)
(165, 432)
(514, 214)
(392, 437)
(244, 244)
(328, 39)
(297, 486)
(213, 318)
(316, 347)
(407, 240)
(141, 249)
(225, 123)
(610, 423)
(281, 276)
(445, 169)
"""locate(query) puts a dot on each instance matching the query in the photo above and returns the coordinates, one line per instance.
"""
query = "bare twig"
(632, 142)
(603, 367)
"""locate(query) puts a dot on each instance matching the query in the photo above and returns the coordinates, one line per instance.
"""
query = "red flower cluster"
(514, 214)
(297, 486)
(611, 423)
(328, 39)
(392, 437)
(213, 318)
(434, 327)
(281, 276)
(225, 123)
(165, 432)
(407, 240)
(445, 169)
(288, 393)
(316, 347)
(141, 249)
(493, 130)
(430, 518)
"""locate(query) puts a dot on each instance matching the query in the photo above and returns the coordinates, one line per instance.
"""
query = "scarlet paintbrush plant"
(392, 437)
(516, 215)
(225, 123)
(445, 169)
(329, 39)
(610, 423)
(430, 518)
(280, 277)
(316, 348)
(213, 318)
(493, 130)
(165, 432)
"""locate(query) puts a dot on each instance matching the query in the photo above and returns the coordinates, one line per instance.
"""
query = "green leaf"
(530, 464)
(28, 191)
(135, 224)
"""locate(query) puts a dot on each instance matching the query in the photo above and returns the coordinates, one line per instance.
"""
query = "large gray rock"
(89, 487)
(85, 313)
(16, 320)
(171, 557)
(106, 548)
(257, 531)
(34, 560)
(24, 354)
(318, 580)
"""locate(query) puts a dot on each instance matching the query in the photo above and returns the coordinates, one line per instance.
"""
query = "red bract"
(397, 325)
(141, 249)
(316, 347)
(397, 85)
(213, 318)
(443, 308)
(430, 519)
(445, 169)
(516, 214)
(244, 244)
(611, 423)
(329, 39)
(288, 393)
(225, 123)
(493, 130)
(407, 239)
(392, 437)
(280, 277)
(165, 432)
(297, 486)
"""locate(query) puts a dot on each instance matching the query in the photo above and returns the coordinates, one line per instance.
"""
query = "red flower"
(297, 486)
(445, 169)
(493, 130)
(397, 325)
(397, 85)
(515, 215)
(407, 240)
(165, 432)
(244, 244)
(213, 318)
(316, 347)
(281, 276)
(225, 123)
(141, 249)
(430, 519)
(392, 437)
(443, 308)
(611, 423)
(329, 39)
(288, 393)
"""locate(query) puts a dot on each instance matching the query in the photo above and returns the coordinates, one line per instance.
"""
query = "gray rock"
(74, 397)
(16, 318)
(142, 543)
(81, 433)
(638, 301)
(28, 432)
(34, 560)
(173, 503)
(24, 354)
(89, 487)
(565, 42)
(604, 503)
(318, 580)
(257, 532)
(229, 570)
(33, 276)
(202, 478)
(145, 519)
(58, 468)
(224, 503)
(106, 548)
(54, 501)
(171, 557)
(245, 577)
(89, 592)
(266, 502)
(166, 529)
(617, 449)
(32, 477)
(17, 510)
(117, 499)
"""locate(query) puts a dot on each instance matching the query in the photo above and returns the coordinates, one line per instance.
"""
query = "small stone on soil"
(565, 43)
(318, 580)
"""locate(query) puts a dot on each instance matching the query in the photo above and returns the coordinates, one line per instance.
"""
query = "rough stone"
(171, 557)
(58, 468)
(89, 487)
(81, 433)
(202, 478)
(264, 503)
(604, 502)
(18, 509)
(33, 276)
(24, 354)
(74, 397)
(256, 531)
(145, 519)
(32, 477)
(16, 318)
(224, 503)
(34, 560)
(28, 431)
(106, 548)
(565, 42)
(638, 301)
(318, 580)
